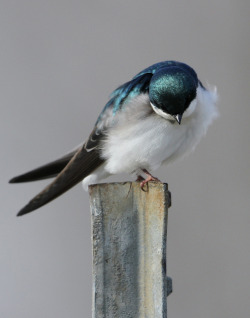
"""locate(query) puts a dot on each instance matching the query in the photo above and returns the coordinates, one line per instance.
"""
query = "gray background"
(59, 60)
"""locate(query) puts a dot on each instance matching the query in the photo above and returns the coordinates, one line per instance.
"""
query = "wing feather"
(81, 165)
(46, 171)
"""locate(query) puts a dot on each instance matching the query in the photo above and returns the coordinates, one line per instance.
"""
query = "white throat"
(161, 113)
(191, 108)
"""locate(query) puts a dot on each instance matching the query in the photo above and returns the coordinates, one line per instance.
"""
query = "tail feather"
(80, 166)
(46, 171)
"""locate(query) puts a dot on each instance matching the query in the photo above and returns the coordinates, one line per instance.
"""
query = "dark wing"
(46, 171)
(80, 166)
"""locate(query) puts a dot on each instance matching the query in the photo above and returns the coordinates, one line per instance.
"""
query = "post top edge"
(131, 183)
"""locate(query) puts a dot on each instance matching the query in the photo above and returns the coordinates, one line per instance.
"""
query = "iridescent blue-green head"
(171, 91)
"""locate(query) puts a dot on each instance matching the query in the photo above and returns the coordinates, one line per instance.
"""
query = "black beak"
(178, 118)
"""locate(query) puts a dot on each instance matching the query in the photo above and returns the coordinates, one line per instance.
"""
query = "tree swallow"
(155, 118)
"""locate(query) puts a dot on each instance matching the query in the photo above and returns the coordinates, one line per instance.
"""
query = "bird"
(158, 116)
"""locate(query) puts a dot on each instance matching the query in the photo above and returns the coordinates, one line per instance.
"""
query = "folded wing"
(46, 171)
(81, 165)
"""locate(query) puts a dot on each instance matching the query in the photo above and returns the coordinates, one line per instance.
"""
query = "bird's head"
(172, 92)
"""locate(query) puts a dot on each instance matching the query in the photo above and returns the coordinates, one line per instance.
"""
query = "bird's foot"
(149, 178)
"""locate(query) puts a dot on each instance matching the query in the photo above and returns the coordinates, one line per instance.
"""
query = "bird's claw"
(149, 178)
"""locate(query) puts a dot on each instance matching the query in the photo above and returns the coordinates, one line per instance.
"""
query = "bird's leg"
(149, 178)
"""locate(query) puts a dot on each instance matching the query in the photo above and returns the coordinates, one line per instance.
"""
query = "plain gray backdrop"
(59, 61)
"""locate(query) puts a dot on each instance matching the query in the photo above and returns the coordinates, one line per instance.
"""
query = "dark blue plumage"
(140, 84)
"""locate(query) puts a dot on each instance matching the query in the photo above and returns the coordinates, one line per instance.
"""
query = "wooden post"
(129, 228)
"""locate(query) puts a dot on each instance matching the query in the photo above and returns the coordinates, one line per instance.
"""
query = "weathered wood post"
(129, 236)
